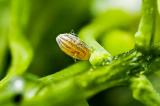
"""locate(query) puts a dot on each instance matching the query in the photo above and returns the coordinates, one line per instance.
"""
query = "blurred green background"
(43, 20)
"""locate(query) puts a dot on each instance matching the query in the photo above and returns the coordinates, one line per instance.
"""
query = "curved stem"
(21, 50)
(4, 21)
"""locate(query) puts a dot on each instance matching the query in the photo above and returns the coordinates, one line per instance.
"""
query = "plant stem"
(90, 34)
(4, 21)
(115, 74)
(156, 38)
(144, 91)
(20, 48)
(66, 73)
(86, 84)
(146, 31)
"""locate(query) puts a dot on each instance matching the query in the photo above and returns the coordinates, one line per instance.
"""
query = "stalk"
(146, 31)
(21, 50)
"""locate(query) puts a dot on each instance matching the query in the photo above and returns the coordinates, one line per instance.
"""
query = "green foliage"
(28, 29)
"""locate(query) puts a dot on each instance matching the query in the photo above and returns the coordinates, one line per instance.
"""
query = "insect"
(73, 46)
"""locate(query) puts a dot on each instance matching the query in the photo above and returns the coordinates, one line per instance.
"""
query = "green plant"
(72, 86)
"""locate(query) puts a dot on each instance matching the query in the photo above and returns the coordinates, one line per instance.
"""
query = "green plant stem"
(143, 91)
(3, 48)
(54, 79)
(4, 21)
(60, 94)
(156, 39)
(115, 74)
(66, 73)
(146, 31)
(90, 33)
(86, 84)
(99, 54)
(20, 48)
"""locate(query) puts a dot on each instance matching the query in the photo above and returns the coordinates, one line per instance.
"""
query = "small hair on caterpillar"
(73, 46)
